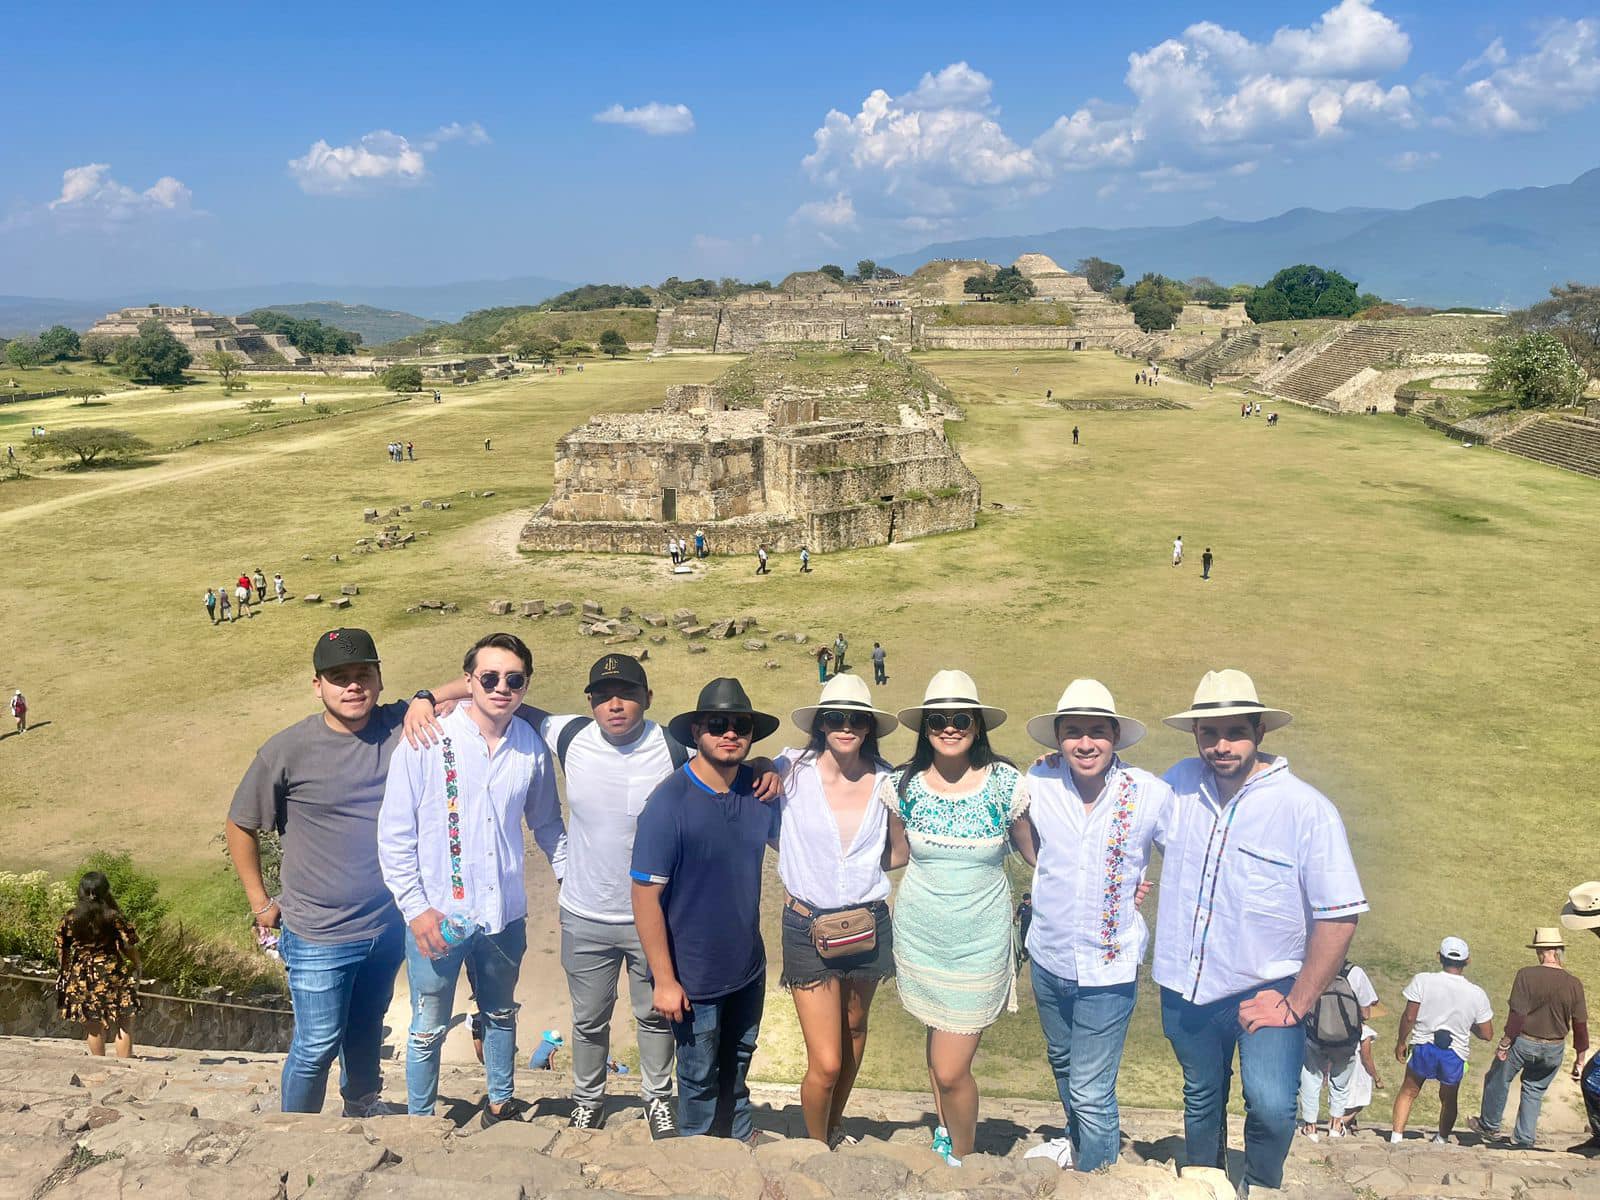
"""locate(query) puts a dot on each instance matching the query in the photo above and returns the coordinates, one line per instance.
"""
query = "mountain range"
(1506, 249)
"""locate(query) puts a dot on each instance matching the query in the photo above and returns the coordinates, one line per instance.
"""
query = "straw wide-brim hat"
(951, 690)
(1085, 698)
(722, 697)
(1582, 910)
(845, 693)
(1547, 937)
(1227, 693)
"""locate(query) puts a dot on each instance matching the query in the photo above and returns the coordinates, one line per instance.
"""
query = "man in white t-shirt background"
(1444, 1012)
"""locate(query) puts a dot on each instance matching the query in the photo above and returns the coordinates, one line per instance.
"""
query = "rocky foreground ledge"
(193, 1125)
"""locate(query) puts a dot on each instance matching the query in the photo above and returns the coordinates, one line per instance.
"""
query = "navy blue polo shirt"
(705, 848)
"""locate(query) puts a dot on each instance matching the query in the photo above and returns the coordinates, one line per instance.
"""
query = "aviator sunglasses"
(937, 722)
(515, 680)
(834, 721)
(719, 725)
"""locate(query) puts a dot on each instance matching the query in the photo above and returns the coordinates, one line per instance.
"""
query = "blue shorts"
(1436, 1062)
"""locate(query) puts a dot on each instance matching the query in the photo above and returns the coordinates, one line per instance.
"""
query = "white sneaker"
(1396, 1138)
(1057, 1150)
(1439, 1139)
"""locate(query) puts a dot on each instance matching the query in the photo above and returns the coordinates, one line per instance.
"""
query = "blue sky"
(405, 143)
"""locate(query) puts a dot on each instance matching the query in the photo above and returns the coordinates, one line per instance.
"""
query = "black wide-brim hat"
(725, 696)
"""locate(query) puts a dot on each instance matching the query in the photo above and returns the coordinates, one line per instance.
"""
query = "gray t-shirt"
(322, 790)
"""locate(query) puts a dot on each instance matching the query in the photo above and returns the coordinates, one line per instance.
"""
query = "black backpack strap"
(675, 748)
(571, 730)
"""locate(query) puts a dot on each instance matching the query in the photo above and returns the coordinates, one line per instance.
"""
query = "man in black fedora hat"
(697, 905)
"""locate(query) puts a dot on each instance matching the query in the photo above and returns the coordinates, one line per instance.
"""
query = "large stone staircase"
(663, 343)
(1224, 359)
(198, 1125)
(1569, 442)
(1311, 373)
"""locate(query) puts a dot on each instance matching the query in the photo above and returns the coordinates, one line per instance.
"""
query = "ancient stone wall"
(712, 480)
(1008, 337)
(1231, 317)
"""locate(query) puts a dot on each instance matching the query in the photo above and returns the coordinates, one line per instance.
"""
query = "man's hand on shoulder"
(422, 725)
(769, 784)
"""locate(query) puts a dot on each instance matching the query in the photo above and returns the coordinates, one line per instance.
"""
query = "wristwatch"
(425, 694)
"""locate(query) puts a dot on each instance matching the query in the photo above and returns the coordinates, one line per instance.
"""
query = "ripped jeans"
(496, 959)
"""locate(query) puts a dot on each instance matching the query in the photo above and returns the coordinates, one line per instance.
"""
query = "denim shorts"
(1436, 1062)
(803, 966)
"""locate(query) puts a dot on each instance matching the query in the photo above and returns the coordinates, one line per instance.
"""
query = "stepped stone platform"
(1313, 373)
(1569, 442)
(202, 1125)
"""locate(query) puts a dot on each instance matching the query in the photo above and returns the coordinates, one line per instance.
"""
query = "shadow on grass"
(11, 733)
(112, 464)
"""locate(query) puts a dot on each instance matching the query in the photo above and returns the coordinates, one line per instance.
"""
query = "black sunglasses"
(938, 722)
(718, 725)
(834, 721)
(515, 680)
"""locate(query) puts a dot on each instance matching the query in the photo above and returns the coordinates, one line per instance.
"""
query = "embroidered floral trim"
(980, 815)
(452, 805)
(1117, 834)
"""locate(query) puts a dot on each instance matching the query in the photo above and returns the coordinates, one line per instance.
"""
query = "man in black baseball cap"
(319, 784)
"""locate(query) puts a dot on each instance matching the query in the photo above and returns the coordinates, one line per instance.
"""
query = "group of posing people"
(402, 842)
(220, 608)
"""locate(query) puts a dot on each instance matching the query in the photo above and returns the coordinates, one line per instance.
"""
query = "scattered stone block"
(349, 589)
(722, 629)
(624, 612)
(533, 608)
(449, 607)
(644, 656)
(333, 558)
(369, 514)
(565, 609)
(754, 644)
(593, 608)
(800, 639)
(499, 608)
(405, 508)
(486, 495)
(684, 616)
(444, 505)
(430, 603)
(744, 625)
(305, 558)
(783, 635)
(339, 602)
(697, 647)
(654, 620)
(658, 639)
(771, 664)
(312, 598)
(629, 628)
(427, 504)
(621, 638)
(694, 631)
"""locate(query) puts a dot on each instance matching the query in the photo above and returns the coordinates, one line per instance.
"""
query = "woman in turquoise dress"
(956, 810)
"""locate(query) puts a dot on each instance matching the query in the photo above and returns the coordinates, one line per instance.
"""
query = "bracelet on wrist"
(258, 911)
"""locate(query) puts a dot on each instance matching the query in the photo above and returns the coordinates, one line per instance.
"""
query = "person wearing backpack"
(613, 758)
(1333, 1044)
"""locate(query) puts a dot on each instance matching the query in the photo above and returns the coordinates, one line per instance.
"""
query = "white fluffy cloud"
(1412, 160)
(89, 193)
(379, 158)
(655, 118)
(1560, 75)
(836, 212)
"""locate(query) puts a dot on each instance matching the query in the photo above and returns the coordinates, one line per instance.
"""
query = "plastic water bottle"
(457, 927)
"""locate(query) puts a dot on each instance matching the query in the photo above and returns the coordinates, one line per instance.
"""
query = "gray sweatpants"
(591, 954)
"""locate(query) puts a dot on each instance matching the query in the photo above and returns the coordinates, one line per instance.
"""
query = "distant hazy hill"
(375, 325)
(1506, 248)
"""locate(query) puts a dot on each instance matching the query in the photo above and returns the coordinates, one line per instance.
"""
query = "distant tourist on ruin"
(465, 897)
(19, 710)
(1444, 1011)
(487, 444)
(1547, 1003)
(701, 548)
(224, 605)
(761, 560)
(696, 872)
(1245, 947)
(1177, 551)
(805, 560)
(840, 645)
(1074, 435)
(411, 451)
(672, 550)
(210, 602)
(241, 596)
(1206, 559)
(260, 582)
(97, 979)
(823, 656)
(879, 664)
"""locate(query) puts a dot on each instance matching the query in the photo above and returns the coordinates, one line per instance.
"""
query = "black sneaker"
(586, 1116)
(512, 1110)
(658, 1115)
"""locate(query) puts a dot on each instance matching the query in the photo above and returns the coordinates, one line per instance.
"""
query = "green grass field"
(1426, 612)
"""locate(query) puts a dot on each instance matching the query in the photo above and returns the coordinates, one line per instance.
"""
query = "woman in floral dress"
(957, 809)
(99, 955)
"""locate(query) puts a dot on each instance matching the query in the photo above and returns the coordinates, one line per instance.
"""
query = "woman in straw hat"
(958, 810)
(830, 858)
(1095, 818)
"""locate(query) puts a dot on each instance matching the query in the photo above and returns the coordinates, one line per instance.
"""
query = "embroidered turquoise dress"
(953, 954)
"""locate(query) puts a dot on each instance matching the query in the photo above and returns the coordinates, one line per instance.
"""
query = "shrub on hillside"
(613, 343)
(89, 444)
(403, 378)
(31, 905)
(1536, 370)
(137, 892)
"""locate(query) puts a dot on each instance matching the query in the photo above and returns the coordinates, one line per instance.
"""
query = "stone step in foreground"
(196, 1125)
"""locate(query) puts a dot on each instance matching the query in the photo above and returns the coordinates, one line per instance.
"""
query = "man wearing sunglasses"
(450, 845)
(697, 904)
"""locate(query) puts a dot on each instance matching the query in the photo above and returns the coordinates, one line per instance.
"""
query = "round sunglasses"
(515, 680)
(938, 722)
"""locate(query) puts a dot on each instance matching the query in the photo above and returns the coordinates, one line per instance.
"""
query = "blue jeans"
(715, 1046)
(496, 960)
(340, 993)
(1538, 1062)
(1084, 1029)
(1203, 1037)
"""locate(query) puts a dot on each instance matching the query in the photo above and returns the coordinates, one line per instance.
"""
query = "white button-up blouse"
(813, 862)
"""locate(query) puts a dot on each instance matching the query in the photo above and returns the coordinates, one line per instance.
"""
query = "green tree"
(23, 352)
(226, 364)
(1572, 314)
(58, 342)
(980, 285)
(1536, 370)
(832, 271)
(598, 295)
(1102, 275)
(98, 347)
(1152, 286)
(405, 377)
(1151, 313)
(613, 343)
(1305, 291)
(308, 335)
(538, 347)
(86, 394)
(866, 270)
(1208, 291)
(87, 444)
(574, 348)
(154, 354)
(1012, 286)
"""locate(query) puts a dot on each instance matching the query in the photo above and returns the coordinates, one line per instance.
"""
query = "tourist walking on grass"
(1094, 821)
(462, 893)
(805, 560)
(838, 944)
(1177, 551)
(1444, 1011)
(672, 550)
(1206, 560)
(210, 602)
(959, 810)
(319, 784)
(279, 587)
(1259, 902)
(1074, 435)
(1333, 1046)
(696, 874)
(241, 595)
(1547, 1003)
(761, 560)
(260, 582)
(98, 978)
(839, 648)
(823, 656)
(1582, 911)
(880, 673)
(224, 605)
(700, 550)
(19, 710)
